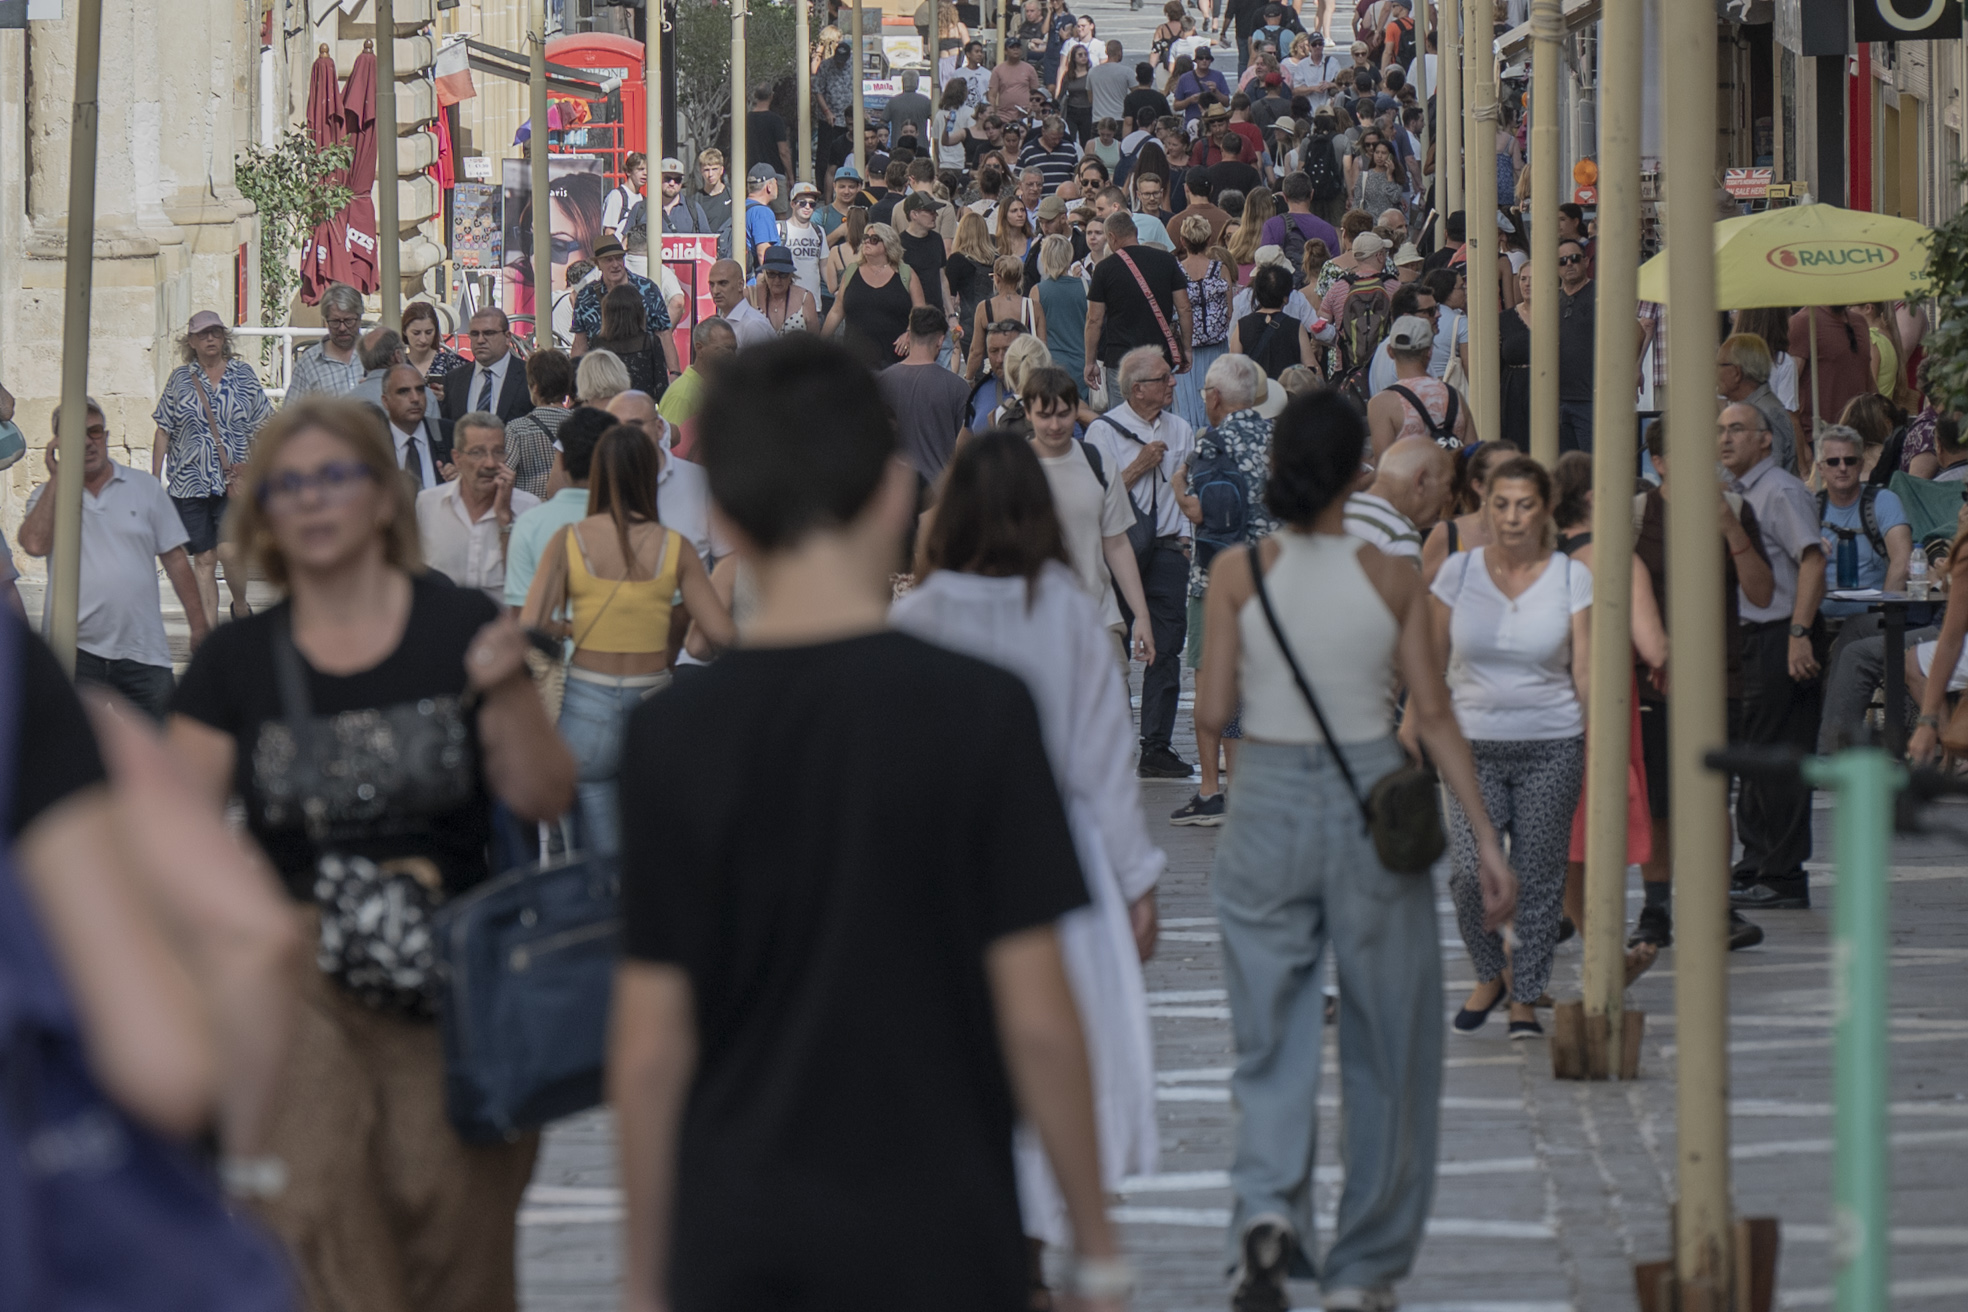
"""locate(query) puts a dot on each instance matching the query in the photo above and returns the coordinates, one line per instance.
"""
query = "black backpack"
(1868, 516)
(1328, 183)
(1404, 54)
(1294, 250)
(1225, 494)
(1444, 433)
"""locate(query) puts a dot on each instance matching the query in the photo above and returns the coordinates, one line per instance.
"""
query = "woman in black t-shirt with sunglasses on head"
(370, 718)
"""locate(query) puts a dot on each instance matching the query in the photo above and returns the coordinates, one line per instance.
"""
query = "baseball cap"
(671, 164)
(607, 246)
(1203, 52)
(1359, 47)
(1411, 333)
(762, 173)
(778, 259)
(1050, 208)
(918, 201)
(203, 320)
(1317, 38)
(847, 171)
(1368, 244)
(805, 189)
(1384, 103)
(1408, 254)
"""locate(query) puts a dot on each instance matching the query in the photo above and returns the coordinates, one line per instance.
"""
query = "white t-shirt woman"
(1510, 658)
(951, 123)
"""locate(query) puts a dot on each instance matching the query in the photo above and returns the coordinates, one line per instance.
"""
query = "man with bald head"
(422, 445)
(727, 286)
(711, 341)
(495, 380)
(1406, 498)
(1781, 646)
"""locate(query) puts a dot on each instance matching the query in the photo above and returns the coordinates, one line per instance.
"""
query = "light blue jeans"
(1294, 869)
(593, 717)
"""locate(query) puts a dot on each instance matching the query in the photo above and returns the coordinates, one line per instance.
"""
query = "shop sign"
(1833, 258)
(1748, 184)
(1906, 20)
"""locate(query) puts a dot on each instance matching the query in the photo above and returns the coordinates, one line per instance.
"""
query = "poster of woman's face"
(576, 188)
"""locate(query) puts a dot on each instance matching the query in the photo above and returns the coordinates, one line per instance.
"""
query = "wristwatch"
(1800, 631)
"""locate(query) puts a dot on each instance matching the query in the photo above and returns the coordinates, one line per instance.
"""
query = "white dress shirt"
(1152, 489)
(466, 551)
(749, 324)
(425, 461)
(497, 369)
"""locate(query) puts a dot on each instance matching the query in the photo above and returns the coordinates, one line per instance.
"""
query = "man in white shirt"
(1317, 72)
(1143, 443)
(129, 527)
(726, 282)
(464, 524)
(423, 451)
(1409, 491)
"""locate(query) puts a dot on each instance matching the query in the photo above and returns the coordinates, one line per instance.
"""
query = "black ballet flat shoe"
(1468, 1022)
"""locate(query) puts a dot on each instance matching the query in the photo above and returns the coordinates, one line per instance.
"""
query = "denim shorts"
(204, 520)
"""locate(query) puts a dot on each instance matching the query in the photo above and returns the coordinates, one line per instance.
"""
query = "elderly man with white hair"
(1144, 443)
(1238, 438)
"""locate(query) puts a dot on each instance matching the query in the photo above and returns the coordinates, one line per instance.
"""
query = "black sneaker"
(1773, 895)
(1264, 1254)
(1200, 810)
(1655, 926)
(1161, 763)
(1743, 933)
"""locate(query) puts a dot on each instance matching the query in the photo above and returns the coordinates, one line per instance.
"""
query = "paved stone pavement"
(1549, 1191)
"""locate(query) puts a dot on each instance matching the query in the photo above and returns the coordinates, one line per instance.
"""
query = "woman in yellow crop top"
(619, 572)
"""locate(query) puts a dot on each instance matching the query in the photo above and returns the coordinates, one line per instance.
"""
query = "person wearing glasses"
(1577, 309)
(323, 511)
(612, 263)
(805, 239)
(494, 380)
(331, 367)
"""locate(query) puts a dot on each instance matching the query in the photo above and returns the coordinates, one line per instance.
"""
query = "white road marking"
(1190, 922)
(1927, 1236)
(1190, 1013)
(1803, 1147)
(1187, 995)
(1777, 1107)
(1190, 936)
(1217, 1218)
(530, 1216)
(1942, 1287)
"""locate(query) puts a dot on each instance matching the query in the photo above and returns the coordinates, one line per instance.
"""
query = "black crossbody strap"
(1154, 491)
(1305, 689)
(291, 680)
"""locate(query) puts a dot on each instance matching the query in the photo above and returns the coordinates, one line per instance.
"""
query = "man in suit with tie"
(495, 381)
(422, 444)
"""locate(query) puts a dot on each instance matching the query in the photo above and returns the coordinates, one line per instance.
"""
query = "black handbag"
(526, 964)
(375, 935)
(1403, 813)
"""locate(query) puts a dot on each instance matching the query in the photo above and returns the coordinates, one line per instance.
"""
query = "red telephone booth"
(618, 124)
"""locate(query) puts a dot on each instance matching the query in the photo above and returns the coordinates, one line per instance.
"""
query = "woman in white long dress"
(1000, 589)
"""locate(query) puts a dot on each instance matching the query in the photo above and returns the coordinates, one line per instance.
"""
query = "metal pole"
(860, 106)
(652, 108)
(1480, 202)
(389, 231)
(803, 19)
(542, 203)
(1421, 90)
(78, 287)
(740, 104)
(1704, 1237)
(1862, 839)
(1448, 122)
(1612, 484)
(1547, 27)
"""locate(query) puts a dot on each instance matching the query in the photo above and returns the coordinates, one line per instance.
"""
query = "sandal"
(233, 610)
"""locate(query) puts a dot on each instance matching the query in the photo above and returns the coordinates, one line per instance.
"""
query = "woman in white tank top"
(1296, 867)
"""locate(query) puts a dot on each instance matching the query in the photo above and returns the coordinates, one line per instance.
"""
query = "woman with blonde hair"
(1245, 237)
(617, 572)
(1006, 304)
(876, 295)
(600, 378)
(969, 266)
(1061, 304)
(285, 710)
(1015, 229)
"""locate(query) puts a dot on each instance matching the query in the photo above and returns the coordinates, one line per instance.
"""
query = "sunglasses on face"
(1841, 462)
(1571, 259)
(806, 203)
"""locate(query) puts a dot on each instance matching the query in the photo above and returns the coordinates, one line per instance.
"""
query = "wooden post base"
(1582, 1046)
(1755, 1284)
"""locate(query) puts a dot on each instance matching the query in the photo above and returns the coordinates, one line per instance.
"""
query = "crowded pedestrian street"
(1039, 656)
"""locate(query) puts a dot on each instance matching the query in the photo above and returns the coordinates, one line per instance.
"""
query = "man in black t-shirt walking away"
(835, 1000)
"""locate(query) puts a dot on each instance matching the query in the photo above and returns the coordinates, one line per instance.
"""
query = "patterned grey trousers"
(1530, 788)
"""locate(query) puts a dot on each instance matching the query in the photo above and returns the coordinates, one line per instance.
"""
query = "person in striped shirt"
(1409, 491)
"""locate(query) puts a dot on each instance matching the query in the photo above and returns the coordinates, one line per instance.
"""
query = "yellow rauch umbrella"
(1808, 255)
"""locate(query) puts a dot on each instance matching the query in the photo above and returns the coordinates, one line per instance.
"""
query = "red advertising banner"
(689, 256)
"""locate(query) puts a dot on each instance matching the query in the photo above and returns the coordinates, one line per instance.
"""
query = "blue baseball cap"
(847, 170)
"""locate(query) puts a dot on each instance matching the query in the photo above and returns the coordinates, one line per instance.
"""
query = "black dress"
(875, 317)
(648, 371)
(1514, 355)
